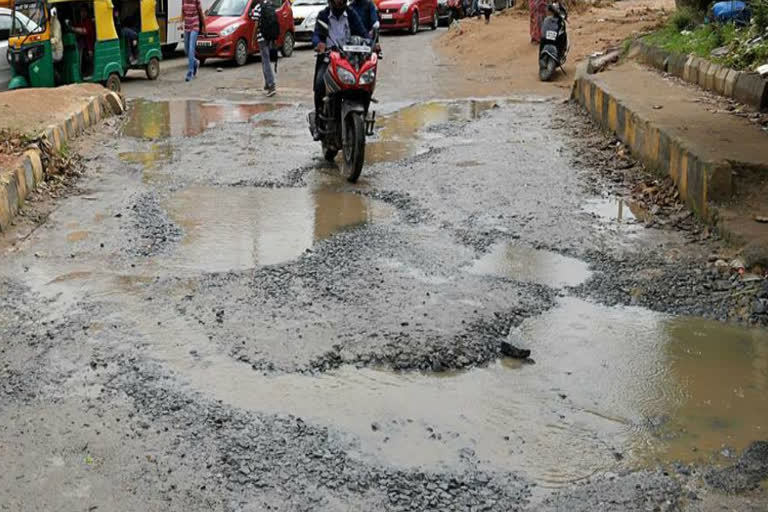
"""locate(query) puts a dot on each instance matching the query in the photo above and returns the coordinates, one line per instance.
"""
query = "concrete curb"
(17, 183)
(748, 88)
(699, 180)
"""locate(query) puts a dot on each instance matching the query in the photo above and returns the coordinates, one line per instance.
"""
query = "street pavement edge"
(17, 182)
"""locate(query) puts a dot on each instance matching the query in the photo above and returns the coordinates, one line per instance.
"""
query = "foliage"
(760, 15)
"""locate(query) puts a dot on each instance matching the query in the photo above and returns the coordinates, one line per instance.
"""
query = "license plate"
(205, 44)
(355, 49)
(551, 35)
(385, 16)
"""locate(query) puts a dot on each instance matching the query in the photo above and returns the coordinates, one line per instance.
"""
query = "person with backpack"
(268, 30)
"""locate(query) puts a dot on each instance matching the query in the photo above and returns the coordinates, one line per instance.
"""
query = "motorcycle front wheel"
(354, 146)
(546, 68)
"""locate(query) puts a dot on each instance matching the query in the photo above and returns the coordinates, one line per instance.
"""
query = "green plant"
(683, 19)
(760, 14)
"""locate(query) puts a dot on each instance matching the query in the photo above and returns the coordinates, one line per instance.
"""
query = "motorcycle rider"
(335, 25)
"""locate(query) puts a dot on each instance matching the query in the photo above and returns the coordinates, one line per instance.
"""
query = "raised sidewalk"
(718, 161)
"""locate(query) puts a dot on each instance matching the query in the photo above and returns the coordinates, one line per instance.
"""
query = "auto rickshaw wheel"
(153, 68)
(113, 82)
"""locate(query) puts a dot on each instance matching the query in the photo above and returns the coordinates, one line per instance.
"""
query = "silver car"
(5, 32)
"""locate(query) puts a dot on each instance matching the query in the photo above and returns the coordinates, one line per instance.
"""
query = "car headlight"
(404, 8)
(368, 77)
(230, 29)
(311, 19)
(345, 76)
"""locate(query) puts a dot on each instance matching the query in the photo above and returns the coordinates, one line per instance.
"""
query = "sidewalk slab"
(62, 114)
(714, 159)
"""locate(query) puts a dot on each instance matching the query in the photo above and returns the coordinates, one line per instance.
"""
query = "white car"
(304, 17)
(5, 32)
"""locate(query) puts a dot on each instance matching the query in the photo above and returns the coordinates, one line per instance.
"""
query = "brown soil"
(500, 59)
(29, 111)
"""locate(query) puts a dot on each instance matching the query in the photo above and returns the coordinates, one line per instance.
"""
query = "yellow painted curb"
(16, 184)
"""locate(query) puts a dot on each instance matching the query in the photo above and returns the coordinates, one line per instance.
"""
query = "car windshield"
(310, 2)
(29, 18)
(228, 8)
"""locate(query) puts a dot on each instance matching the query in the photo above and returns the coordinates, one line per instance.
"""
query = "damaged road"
(215, 320)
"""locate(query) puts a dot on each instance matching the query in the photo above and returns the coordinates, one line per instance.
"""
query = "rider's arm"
(318, 36)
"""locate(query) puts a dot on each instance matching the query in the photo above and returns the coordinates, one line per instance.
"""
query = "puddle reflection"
(237, 228)
(531, 265)
(398, 134)
(187, 118)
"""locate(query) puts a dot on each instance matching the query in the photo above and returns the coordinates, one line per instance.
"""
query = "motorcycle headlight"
(404, 8)
(368, 77)
(230, 29)
(345, 76)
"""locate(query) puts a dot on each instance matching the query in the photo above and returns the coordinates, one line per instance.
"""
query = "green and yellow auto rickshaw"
(55, 42)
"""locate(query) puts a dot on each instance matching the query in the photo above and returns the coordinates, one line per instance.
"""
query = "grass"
(683, 34)
(700, 41)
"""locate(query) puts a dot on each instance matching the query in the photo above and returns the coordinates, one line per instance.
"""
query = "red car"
(407, 14)
(231, 34)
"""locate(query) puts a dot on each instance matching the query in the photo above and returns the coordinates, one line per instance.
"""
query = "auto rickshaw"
(91, 49)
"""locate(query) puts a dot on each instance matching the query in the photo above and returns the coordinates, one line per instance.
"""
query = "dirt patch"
(29, 111)
(500, 58)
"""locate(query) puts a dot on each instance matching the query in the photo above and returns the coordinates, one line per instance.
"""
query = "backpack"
(268, 24)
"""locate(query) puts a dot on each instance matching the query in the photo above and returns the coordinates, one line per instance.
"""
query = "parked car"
(408, 14)
(231, 34)
(304, 17)
(5, 32)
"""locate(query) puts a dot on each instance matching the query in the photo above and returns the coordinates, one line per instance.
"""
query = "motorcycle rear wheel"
(546, 70)
(354, 146)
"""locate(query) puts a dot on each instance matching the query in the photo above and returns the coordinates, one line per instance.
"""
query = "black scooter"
(554, 45)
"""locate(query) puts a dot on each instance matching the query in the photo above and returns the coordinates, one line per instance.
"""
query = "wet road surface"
(215, 320)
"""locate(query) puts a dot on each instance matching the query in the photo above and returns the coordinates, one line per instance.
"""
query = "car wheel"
(241, 52)
(435, 22)
(414, 23)
(288, 44)
(153, 68)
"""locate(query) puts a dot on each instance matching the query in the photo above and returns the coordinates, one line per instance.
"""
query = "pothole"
(526, 264)
(186, 118)
(238, 228)
(611, 387)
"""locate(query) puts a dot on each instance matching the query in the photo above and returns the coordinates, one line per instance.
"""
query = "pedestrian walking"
(486, 8)
(538, 10)
(268, 30)
(194, 23)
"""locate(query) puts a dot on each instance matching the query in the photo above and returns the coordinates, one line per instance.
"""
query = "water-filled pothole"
(398, 134)
(238, 228)
(531, 265)
(186, 118)
(611, 387)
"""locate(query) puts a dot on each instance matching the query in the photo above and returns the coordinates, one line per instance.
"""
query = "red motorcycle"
(346, 120)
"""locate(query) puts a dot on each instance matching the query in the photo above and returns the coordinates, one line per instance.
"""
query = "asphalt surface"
(212, 319)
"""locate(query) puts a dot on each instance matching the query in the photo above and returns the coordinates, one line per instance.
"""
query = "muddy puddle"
(400, 135)
(239, 228)
(186, 118)
(611, 388)
(531, 265)
(153, 158)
